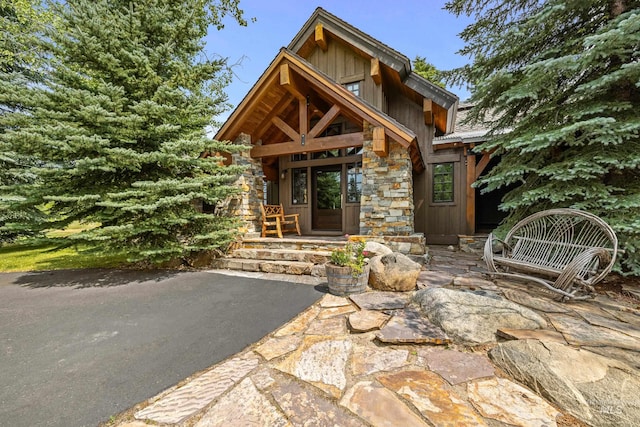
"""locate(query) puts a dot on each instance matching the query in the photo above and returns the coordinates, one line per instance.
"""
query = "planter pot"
(341, 280)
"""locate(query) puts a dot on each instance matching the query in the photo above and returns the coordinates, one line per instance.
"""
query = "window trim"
(306, 191)
(354, 82)
(452, 173)
(358, 166)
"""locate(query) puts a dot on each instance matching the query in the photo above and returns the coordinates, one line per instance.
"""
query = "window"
(326, 154)
(298, 157)
(442, 182)
(353, 151)
(353, 87)
(299, 186)
(354, 182)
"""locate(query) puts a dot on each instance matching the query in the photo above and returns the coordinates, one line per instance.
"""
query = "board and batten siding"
(440, 222)
(344, 66)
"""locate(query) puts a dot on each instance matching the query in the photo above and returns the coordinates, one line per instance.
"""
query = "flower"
(352, 255)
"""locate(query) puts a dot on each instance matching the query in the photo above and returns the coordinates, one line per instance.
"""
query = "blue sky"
(412, 27)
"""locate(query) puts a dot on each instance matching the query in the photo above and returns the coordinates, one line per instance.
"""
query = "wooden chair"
(566, 250)
(274, 221)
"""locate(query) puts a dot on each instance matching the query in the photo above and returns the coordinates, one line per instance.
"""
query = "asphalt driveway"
(79, 346)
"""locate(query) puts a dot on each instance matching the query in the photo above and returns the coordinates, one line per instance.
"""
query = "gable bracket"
(287, 80)
(380, 144)
(427, 109)
(376, 76)
(320, 37)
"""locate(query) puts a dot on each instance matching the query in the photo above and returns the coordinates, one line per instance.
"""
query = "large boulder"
(595, 389)
(375, 249)
(393, 272)
(473, 318)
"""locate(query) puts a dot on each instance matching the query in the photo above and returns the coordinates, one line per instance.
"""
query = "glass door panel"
(327, 198)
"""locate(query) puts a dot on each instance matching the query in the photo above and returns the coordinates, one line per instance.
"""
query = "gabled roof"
(353, 36)
(302, 44)
(258, 105)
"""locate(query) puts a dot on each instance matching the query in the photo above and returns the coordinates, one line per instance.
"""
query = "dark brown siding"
(344, 65)
(440, 222)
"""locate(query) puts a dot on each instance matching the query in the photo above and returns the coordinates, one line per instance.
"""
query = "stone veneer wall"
(386, 204)
(414, 244)
(472, 244)
(246, 205)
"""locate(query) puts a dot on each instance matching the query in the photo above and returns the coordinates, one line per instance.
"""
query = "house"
(481, 210)
(344, 134)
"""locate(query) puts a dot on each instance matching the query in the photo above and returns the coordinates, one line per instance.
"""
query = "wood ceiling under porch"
(291, 106)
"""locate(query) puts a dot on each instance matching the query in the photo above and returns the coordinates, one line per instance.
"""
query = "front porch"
(339, 163)
(303, 255)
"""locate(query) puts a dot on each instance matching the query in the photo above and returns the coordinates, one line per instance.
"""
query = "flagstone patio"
(376, 359)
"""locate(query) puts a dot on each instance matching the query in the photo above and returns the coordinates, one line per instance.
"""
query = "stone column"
(386, 204)
(246, 205)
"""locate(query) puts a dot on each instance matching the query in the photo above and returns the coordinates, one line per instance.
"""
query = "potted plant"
(348, 270)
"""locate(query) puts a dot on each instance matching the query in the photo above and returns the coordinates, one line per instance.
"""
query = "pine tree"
(428, 71)
(119, 130)
(558, 82)
(22, 22)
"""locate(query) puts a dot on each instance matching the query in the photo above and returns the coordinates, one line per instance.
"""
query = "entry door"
(326, 198)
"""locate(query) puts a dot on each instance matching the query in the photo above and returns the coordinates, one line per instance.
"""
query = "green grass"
(25, 257)
(73, 228)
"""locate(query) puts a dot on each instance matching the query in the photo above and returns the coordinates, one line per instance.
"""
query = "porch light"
(283, 175)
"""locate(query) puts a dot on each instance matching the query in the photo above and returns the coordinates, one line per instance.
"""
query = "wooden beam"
(447, 145)
(375, 71)
(324, 121)
(380, 142)
(312, 145)
(230, 129)
(287, 81)
(285, 75)
(427, 110)
(284, 127)
(348, 102)
(320, 37)
(482, 164)
(303, 116)
(470, 193)
(266, 120)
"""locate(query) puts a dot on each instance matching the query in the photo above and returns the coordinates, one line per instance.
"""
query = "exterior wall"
(440, 222)
(386, 204)
(351, 211)
(246, 205)
(445, 221)
(344, 65)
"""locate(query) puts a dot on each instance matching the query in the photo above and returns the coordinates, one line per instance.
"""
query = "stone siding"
(472, 244)
(246, 205)
(386, 204)
(414, 244)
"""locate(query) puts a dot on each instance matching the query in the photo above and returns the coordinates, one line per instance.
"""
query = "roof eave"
(248, 97)
(447, 100)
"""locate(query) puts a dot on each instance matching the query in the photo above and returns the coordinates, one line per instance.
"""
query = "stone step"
(315, 257)
(267, 266)
(300, 244)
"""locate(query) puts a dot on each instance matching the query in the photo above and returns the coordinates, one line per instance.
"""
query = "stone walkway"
(376, 360)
